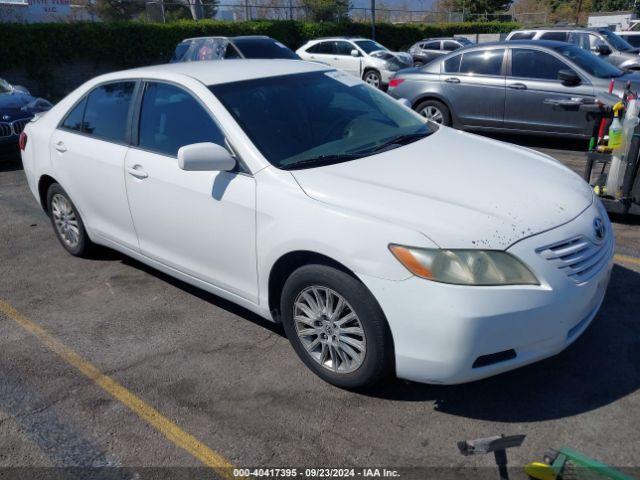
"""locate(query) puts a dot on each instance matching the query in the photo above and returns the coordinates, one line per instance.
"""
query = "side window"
(580, 39)
(450, 45)
(594, 41)
(452, 65)
(107, 111)
(558, 36)
(180, 51)
(535, 64)
(634, 40)
(325, 48)
(482, 62)
(522, 36)
(432, 45)
(344, 48)
(74, 117)
(171, 118)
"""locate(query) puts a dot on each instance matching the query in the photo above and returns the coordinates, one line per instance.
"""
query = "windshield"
(369, 46)
(318, 118)
(263, 48)
(5, 87)
(615, 41)
(463, 41)
(589, 62)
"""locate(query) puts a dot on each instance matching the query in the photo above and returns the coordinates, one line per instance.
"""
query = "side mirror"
(569, 78)
(404, 102)
(205, 157)
(355, 53)
(602, 49)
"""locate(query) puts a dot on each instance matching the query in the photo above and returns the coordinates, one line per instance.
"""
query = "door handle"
(60, 147)
(452, 80)
(137, 171)
(517, 86)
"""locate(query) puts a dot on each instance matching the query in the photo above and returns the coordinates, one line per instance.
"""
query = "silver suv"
(601, 41)
(361, 57)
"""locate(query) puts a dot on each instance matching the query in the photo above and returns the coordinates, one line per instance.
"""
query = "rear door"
(474, 84)
(322, 52)
(88, 151)
(533, 78)
(430, 50)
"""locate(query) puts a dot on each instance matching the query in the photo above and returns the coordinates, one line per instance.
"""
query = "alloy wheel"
(329, 329)
(65, 220)
(372, 79)
(432, 113)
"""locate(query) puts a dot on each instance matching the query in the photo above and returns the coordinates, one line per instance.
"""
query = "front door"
(473, 82)
(200, 223)
(532, 79)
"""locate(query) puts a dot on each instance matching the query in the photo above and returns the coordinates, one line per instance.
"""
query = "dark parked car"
(17, 107)
(431, 48)
(220, 48)
(507, 85)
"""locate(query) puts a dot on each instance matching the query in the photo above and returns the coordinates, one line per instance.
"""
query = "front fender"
(288, 220)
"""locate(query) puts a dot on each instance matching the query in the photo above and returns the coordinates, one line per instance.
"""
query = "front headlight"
(465, 267)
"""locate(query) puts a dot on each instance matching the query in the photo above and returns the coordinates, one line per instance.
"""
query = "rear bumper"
(451, 334)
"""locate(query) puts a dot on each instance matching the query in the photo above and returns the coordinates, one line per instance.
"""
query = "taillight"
(22, 141)
(394, 82)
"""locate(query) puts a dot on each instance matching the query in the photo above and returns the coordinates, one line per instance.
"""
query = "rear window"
(522, 36)
(263, 48)
(107, 111)
(482, 62)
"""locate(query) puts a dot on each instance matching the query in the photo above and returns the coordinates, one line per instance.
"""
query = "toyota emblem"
(599, 228)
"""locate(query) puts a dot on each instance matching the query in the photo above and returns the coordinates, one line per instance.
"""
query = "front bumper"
(440, 331)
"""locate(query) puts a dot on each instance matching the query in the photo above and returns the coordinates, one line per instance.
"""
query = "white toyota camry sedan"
(381, 242)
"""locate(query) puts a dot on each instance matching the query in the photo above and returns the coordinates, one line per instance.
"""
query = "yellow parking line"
(170, 430)
(626, 259)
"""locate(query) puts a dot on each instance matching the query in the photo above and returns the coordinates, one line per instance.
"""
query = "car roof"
(561, 28)
(240, 37)
(211, 72)
(339, 38)
(440, 38)
(511, 43)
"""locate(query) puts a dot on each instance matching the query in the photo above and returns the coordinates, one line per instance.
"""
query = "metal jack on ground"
(497, 444)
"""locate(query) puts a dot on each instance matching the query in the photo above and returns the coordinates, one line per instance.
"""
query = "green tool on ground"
(567, 464)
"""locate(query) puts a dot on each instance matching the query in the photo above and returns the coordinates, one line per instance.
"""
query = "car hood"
(458, 189)
(12, 105)
(403, 57)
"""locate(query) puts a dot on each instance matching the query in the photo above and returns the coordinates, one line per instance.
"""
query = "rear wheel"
(435, 111)
(336, 326)
(67, 223)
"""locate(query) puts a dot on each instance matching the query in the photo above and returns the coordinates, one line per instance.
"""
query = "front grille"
(579, 257)
(18, 125)
(5, 130)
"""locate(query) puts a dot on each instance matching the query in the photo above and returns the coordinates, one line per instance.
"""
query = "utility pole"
(578, 12)
(373, 19)
(290, 9)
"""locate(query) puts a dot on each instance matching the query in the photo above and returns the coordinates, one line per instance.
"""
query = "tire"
(67, 223)
(434, 106)
(373, 78)
(358, 360)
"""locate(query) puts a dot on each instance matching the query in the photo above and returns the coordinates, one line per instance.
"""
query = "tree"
(114, 10)
(474, 6)
(612, 5)
(327, 10)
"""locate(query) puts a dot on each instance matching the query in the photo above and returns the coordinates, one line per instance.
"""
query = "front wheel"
(373, 78)
(336, 326)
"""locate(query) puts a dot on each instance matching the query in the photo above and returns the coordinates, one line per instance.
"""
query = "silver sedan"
(503, 87)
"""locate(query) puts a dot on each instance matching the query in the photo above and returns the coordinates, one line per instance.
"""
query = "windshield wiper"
(397, 140)
(322, 160)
